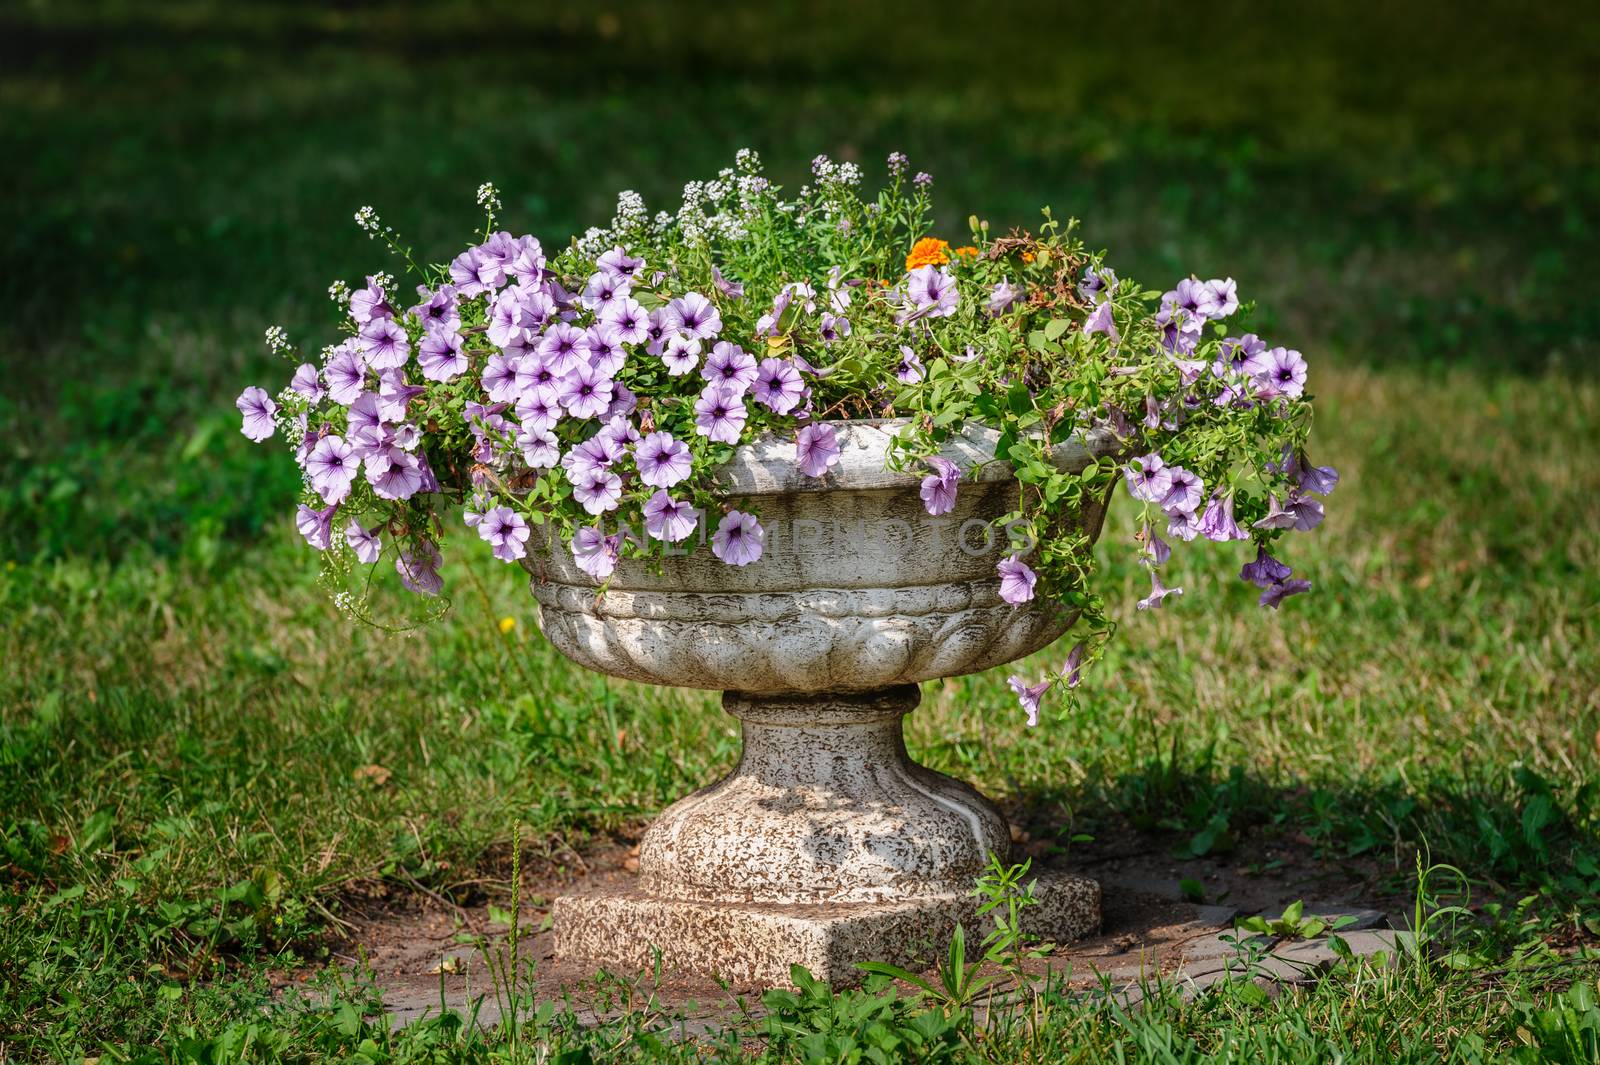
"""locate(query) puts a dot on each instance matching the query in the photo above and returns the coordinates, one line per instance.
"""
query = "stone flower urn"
(826, 845)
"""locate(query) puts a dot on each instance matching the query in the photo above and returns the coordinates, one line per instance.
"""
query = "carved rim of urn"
(898, 602)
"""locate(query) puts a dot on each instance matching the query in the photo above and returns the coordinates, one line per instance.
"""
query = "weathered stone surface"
(858, 587)
(758, 943)
(824, 807)
(826, 845)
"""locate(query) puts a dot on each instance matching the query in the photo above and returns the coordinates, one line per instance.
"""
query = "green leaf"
(66, 894)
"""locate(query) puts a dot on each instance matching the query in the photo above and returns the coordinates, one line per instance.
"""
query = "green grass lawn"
(1412, 195)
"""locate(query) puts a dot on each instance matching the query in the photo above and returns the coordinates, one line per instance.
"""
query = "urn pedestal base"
(749, 943)
(826, 846)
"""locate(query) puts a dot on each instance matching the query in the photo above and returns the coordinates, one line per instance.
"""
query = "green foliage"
(814, 1024)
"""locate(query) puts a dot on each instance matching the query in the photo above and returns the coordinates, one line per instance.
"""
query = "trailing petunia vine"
(588, 397)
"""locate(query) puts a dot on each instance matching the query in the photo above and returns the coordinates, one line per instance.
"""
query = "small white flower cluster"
(367, 219)
(748, 160)
(829, 173)
(339, 292)
(594, 241)
(631, 217)
(345, 603)
(277, 339)
(489, 196)
(384, 281)
(293, 426)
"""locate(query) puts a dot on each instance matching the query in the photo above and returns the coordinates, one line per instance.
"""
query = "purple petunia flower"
(815, 449)
(939, 487)
(1016, 580)
(257, 409)
(506, 531)
(585, 392)
(668, 519)
(307, 383)
(1265, 571)
(440, 355)
(777, 385)
(316, 525)
(499, 379)
(623, 402)
(1074, 665)
(1318, 479)
(384, 343)
(730, 365)
(739, 539)
(1155, 549)
(508, 320)
(719, 413)
(1217, 522)
(1217, 299)
(539, 408)
(1029, 696)
(464, 273)
(540, 448)
(561, 350)
(1274, 594)
(1158, 592)
(596, 553)
(681, 355)
(1277, 372)
(1185, 491)
(598, 490)
(419, 569)
(604, 289)
(620, 263)
(662, 460)
(602, 346)
(909, 370)
(734, 290)
(527, 264)
(395, 395)
(832, 327)
(364, 424)
(1148, 478)
(1097, 285)
(931, 292)
(629, 319)
(346, 374)
(1100, 321)
(332, 467)
(1003, 297)
(599, 452)
(1183, 525)
(364, 542)
(438, 309)
(694, 316)
(395, 474)
(1236, 353)
(1299, 513)
(367, 304)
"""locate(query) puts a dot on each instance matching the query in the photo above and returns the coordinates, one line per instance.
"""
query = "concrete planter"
(826, 845)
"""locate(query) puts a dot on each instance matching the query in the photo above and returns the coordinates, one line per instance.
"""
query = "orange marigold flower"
(929, 251)
(1027, 256)
(967, 251)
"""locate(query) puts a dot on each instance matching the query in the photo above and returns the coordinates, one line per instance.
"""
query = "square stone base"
(757, 944)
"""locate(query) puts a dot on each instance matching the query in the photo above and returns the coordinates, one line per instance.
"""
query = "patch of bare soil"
(420, 953)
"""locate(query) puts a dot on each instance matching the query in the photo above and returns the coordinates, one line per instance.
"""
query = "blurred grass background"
(1411, 191)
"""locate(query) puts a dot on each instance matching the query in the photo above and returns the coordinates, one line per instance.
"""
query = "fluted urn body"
(859, 594)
